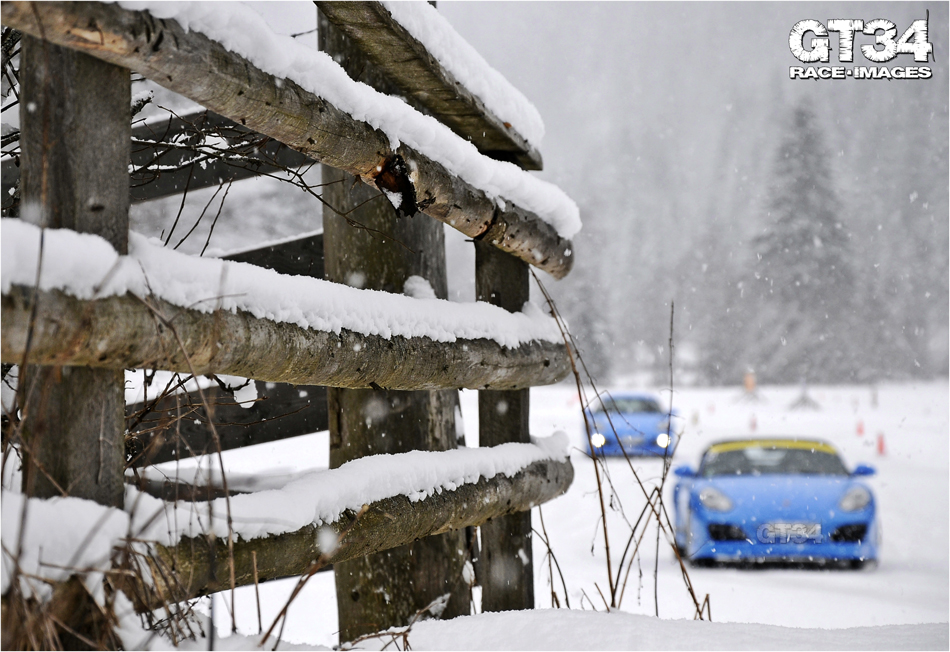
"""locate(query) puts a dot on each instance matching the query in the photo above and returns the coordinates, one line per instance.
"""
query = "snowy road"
(910, 585)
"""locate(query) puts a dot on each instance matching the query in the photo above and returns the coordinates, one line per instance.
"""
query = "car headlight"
(715, 500)
(663, 440)
(598, 440)
(856, 498)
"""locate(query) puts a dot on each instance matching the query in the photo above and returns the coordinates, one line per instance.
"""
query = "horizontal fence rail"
(202, 70)
(284, 411)
(164, 162)
(203, 566)
(405, 61)
(127, 332)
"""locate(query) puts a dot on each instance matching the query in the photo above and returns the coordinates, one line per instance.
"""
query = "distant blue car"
(780, 500)
(634, 423)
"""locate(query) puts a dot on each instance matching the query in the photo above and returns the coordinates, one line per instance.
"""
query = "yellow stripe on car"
(773, 443)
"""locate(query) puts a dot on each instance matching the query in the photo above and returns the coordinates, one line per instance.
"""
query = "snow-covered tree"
(804, 281)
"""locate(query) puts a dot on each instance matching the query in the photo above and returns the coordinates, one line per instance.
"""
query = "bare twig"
(551, 557)
(257, 594)
(654, 497)
(314, 567)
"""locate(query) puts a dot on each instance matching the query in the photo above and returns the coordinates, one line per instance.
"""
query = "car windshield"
(762, 460)
(628, 404)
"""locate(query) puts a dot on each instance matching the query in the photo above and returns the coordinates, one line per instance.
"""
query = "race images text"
(885, 48)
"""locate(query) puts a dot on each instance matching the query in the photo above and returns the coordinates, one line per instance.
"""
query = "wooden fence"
(76, 144)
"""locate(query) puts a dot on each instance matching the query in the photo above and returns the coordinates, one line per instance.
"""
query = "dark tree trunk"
(370, 247)
(75, 154)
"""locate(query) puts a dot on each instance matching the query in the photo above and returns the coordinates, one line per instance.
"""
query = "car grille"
(724, 532)
(854, 533)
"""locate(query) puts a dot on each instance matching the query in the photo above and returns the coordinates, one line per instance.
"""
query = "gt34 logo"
(789, 533)
(885, 48)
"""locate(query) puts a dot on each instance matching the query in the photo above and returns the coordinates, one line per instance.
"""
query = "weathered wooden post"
(372, 248)
(75, 154)
(507, 571)
(75, 142)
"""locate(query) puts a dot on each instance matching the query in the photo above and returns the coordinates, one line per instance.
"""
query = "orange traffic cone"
(880, 443)
(860, 428)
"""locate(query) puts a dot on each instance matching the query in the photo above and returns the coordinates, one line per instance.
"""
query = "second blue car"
(630, 423)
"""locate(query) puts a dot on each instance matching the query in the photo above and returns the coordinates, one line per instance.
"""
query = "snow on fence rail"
(281, 88)
(99, 309)
(326, 516)
(99, 306)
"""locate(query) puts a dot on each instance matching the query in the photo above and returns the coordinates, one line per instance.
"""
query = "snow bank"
(87, 266)
(455, 54)
(321, 496)
(60, 537)
(564, 629)
(243, 31)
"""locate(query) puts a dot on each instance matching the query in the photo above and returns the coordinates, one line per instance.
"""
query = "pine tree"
(804, 278)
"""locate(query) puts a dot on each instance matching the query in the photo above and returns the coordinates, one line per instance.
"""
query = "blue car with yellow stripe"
(775, 500)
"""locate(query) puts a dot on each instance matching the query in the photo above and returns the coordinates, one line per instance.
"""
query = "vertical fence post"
(75, 141)
(373, 249)
(506, 568)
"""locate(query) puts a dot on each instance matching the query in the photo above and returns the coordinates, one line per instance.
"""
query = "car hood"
(781, 497)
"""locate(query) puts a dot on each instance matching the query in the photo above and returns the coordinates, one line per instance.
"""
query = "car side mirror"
(863, 469)
(684, 472)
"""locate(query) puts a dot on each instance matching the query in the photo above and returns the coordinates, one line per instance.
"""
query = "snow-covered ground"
(909, 586)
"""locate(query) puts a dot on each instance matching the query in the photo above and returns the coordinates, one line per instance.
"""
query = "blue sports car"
(634, 423)
(781, 500)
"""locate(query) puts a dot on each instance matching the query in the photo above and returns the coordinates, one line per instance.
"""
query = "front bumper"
(765, 543)
(634, 447)
(741, 551)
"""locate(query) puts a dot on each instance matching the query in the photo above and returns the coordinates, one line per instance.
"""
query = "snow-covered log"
(422, 78)
(160, 309)
(484, 199)
(204, 567)
(309, 520)
(125, 332)
(283, 411)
